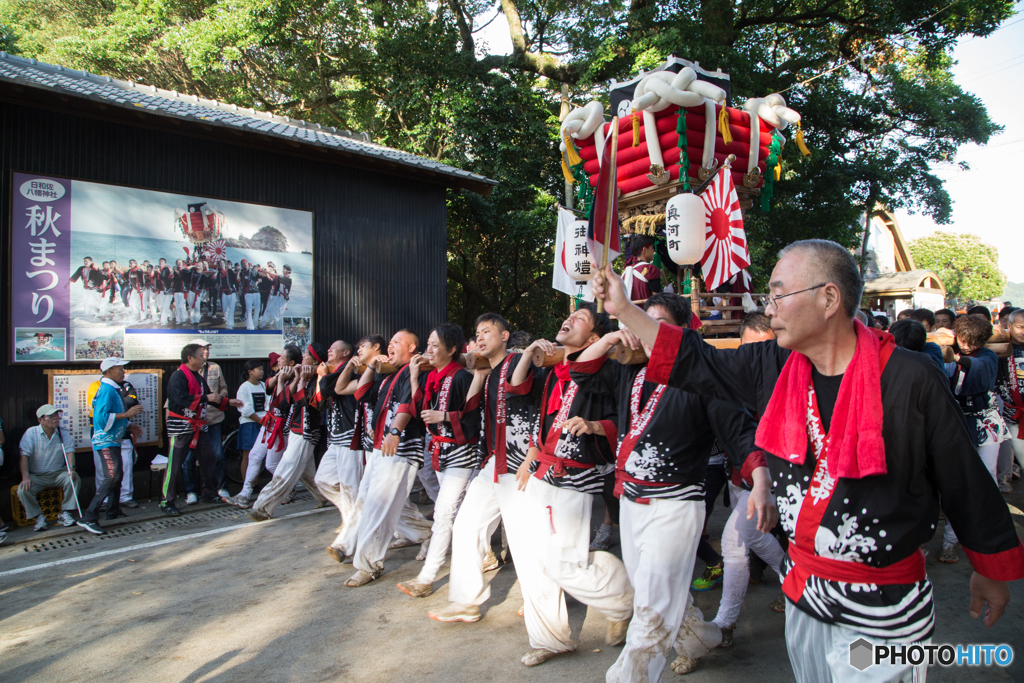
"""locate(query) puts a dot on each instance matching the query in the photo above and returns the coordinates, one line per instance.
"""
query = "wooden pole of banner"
(612, 193)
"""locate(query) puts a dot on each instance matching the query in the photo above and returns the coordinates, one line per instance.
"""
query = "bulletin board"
(67, 390)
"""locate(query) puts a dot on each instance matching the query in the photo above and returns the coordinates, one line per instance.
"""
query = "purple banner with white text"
(40, 263)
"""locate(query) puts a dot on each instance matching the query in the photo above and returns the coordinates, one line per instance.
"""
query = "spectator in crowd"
(882, 322)
(253, 395)
(981, 311)
(972, 379)
(925, 317)
(905, 313)
(109, 424)
(865, 317)
(1004, 318)
(43, 466)
(214, 377)
(519, 340)
(126, 494)
(909, 334)
(944, 319)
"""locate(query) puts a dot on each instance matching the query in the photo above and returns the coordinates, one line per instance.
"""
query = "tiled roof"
(129, 95)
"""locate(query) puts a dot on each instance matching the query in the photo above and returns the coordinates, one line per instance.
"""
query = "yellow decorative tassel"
(565, 171)
(723, 125)
(778, 171)
(570, 150)
(799, 137)
(636, 129)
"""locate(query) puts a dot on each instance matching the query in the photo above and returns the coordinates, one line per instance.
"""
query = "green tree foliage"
(968, 267)
(1014, 292)
(414, 76)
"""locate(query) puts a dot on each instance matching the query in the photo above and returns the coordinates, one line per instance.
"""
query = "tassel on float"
(570, 150)
(636, 129)
(566, 172)
(799, 138)
(723, 125)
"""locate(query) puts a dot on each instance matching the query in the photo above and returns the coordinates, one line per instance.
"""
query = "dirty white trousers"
(385, 509)
(739, 536)
(558, 521)
(296, 465)
(338, 477)
(659, 548)
(453, 484)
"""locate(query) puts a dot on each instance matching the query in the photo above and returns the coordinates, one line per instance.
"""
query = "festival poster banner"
(119, 271)
(40, 258)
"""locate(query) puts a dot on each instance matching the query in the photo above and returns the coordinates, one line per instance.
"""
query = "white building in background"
(892, 282)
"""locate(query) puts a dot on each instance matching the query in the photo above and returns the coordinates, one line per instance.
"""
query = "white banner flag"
(560, 278)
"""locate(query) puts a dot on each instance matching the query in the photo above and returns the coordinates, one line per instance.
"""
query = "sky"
(991, 68)
(146, 213)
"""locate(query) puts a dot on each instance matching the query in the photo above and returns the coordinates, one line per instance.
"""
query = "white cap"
(111, 362)
(201, 342)
(46, 409)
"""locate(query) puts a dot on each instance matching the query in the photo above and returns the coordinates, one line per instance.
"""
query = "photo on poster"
(97, 343)
(296, 331)
(39, 344)
(106, 256)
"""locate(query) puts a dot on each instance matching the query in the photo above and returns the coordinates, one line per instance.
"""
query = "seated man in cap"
(43, 448)
(109, 423)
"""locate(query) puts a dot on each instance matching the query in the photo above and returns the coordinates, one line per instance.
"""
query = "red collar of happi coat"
(562, 375)
(855, 445)
(435, 379)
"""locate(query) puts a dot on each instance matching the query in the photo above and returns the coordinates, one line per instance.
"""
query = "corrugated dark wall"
(379, 240)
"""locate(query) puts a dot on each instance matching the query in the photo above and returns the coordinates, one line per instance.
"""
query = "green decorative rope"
(684, 158)
(768, 189)
(584, 192)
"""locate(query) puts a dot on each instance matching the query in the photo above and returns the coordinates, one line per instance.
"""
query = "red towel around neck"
(854, 442)
(194, 387)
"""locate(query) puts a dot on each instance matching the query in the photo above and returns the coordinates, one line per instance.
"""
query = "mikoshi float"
(688, 166)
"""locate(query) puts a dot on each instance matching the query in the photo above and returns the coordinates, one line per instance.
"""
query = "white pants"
(196, 305)
(163, 305)
(345, 542)
(338, 477)
(430, 479)
(820, 653)
(252, 310)
(486, 503)
(454, 483)
(739, 536)
(147, 304)
(92, 302)
(386, 510)
(135, 304)
(104, 304)
(227, 302)
(180, 311)
(990, 456)
(259, 455)
(559, 529)
(1016, 443)
(296, 465)
(659, 548)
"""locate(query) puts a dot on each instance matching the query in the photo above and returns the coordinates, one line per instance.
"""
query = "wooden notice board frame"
(158, 409)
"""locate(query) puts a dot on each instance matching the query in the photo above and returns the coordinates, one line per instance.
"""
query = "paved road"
(213, 597)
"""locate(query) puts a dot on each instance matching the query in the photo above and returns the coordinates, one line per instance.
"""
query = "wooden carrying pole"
(612, 194)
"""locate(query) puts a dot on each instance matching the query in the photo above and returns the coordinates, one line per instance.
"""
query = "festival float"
(686, 167)
(202, 225)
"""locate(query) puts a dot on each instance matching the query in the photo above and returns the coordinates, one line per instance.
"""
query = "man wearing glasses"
(864, 438)
(42, 466)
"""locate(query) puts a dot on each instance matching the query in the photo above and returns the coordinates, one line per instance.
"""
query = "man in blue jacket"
(109, 422)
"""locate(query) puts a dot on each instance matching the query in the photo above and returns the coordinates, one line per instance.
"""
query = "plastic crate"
(49, 499)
